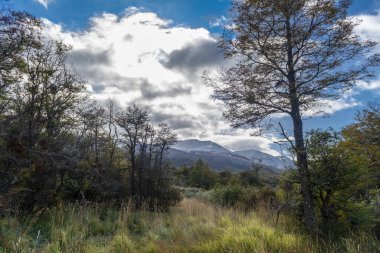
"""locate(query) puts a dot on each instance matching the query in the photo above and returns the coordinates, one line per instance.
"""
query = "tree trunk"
(133, 166)
(141, 168)
(302, 164)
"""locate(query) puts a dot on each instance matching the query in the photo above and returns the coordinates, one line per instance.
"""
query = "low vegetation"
(191, 226)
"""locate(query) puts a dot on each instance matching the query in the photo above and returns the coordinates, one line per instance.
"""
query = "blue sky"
(75, 13)
(194, 24)
(195, 13)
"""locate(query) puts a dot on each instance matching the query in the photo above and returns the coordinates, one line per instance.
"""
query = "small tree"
(362, 139)
(202, 176)
(334, 177)
(133, 122)
(288, 55)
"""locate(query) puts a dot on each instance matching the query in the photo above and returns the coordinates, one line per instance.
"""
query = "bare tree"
(288, 55)
(164, 139)
(113, 136)
(93, 119)
(132, 121)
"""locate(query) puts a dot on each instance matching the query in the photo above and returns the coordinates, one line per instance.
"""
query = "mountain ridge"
(187, 152)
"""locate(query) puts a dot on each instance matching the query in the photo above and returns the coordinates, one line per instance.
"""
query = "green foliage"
(229, 195)
(346, 198)
(362, 143)
(200, 175)
(251, 177)
(247, 198)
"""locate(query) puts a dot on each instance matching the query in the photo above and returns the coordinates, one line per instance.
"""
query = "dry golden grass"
(192, 226)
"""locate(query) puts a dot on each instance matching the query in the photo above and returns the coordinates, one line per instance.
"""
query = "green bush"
(229, 195)
(244, 197)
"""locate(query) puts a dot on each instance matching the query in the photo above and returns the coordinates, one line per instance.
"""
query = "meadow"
(191, 226)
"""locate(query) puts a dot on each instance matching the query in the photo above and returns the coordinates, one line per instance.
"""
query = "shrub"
(229, 195)
(244, 197)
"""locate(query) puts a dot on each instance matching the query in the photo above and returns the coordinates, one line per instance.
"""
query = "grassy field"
(192, 226)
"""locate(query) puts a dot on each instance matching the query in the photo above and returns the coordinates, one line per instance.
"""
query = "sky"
(153, 53)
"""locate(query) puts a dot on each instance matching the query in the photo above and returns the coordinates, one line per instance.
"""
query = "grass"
(192, 226)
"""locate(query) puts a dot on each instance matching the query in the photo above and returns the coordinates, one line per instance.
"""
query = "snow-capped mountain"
(187, 152)
(194, 145)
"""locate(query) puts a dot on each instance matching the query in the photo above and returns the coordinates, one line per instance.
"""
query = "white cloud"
(369, 29)
(370, 85)
(45, 3)
(221, 21)
(242, 140)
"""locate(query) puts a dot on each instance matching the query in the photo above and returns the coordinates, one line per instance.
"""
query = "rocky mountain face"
(187, 152)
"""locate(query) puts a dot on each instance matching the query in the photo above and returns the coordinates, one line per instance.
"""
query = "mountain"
(187, 152)
(194, 145)
(258, 157)
(217, 161)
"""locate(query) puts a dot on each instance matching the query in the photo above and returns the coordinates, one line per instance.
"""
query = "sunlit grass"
(192, 226)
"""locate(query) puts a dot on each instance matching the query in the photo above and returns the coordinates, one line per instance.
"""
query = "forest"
(78, 175)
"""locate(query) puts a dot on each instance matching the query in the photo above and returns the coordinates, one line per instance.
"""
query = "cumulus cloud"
(369, 29)
(369, 26)
(141, 58)
(194, 56)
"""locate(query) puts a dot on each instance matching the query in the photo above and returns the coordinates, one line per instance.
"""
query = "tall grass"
(192, 226)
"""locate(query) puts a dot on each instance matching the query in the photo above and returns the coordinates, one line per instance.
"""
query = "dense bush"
(244, 197)
(229, 195)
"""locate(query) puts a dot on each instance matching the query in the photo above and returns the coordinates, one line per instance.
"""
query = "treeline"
(55, 146)
(200, 175)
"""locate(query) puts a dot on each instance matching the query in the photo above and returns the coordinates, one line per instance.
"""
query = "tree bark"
(133, 193)
(302, 164)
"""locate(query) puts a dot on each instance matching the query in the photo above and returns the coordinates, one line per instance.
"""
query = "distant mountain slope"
(194, 145)
(279, 162)
(187, 152)
(216, 161)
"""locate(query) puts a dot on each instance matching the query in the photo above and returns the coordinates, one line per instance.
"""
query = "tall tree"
(19, 31)
(287, 56)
